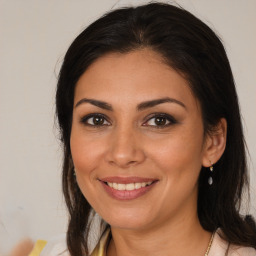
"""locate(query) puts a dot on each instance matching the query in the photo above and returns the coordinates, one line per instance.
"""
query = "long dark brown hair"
(192, 49)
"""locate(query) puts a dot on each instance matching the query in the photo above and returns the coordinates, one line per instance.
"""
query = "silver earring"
(210, 179)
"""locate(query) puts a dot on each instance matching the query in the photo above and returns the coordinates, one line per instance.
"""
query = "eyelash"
(166, 117)
(84, 120)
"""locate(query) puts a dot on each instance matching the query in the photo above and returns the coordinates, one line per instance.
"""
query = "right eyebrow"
(97, 103)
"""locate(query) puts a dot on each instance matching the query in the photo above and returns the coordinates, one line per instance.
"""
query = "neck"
(184, 236)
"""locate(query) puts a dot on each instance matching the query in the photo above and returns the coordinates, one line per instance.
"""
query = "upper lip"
(126, 180)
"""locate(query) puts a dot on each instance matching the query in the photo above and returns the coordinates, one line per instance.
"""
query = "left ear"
(215, 144)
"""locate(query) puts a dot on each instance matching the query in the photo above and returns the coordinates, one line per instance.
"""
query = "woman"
(152, 138)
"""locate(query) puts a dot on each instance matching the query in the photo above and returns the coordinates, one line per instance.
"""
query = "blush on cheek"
(81, 153)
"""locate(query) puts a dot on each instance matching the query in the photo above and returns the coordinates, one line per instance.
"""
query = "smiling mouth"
(129, 186)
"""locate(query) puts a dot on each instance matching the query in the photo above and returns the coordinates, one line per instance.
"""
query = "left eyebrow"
(152, 103)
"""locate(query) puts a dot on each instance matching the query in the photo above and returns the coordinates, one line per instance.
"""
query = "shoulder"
(235, 250)
(220, 247)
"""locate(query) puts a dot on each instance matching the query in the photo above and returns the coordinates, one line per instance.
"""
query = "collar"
(101, 247)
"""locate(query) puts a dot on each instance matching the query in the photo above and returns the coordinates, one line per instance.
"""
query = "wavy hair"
(191, 48)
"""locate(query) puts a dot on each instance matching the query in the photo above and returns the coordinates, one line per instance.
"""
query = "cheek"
(87, 154)
(178, 156)
(86, 151)
(180, 148)
(178, 160)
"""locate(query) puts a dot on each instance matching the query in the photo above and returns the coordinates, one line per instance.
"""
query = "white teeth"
(130, 186)
(137, 185)
(120, 186)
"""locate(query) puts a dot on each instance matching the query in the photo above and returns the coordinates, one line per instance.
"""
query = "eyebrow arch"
(140, 107)
(97, 103)
(152, 103)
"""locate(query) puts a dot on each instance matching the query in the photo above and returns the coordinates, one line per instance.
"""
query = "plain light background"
(34, 36)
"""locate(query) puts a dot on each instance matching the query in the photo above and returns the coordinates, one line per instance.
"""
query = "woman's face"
(137, 140)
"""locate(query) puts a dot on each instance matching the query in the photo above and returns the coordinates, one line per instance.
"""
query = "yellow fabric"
(100, 249)
(39, 246)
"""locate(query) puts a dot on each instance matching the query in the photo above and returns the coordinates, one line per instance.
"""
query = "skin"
(131, 143)
(23, 248)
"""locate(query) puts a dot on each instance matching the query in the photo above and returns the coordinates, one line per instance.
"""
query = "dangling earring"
(210, 179)
(74, 173)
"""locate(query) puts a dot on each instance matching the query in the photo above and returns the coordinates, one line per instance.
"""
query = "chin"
(129, 224)
(128, 219)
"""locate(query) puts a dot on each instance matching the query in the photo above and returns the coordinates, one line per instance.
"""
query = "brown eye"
(95, 120)
(160, 121)
(98, 120)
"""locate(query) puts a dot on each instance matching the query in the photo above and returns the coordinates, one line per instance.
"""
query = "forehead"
(132, 77)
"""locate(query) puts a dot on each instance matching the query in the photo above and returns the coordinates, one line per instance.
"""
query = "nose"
(125, 149)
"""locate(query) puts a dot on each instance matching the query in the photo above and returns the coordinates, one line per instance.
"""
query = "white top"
(219, 247)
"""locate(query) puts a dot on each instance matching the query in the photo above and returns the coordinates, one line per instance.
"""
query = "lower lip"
(127, 194)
